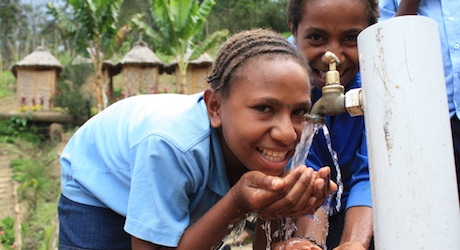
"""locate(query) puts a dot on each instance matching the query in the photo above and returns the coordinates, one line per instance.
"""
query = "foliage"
(92, 25)
(16, 127)
(70, 95)
(239, 15)
(38, 193)
(7, 83)
(7, 233)
(35, 170)
(33, 179)
(177, 31)
(41, 227)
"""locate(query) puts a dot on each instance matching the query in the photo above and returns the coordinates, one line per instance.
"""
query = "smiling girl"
(319, 26)
(172, 171)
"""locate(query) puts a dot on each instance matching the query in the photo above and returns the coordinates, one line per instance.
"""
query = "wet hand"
(299, 192)
(350, 245)
(296, 244)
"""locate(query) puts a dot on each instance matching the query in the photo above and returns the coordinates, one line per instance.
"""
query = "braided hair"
(296, 8)
(245, 45)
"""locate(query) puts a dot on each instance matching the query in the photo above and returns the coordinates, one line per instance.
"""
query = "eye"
(351, 39)
(300, 112)
(315, 38)
(263, 108)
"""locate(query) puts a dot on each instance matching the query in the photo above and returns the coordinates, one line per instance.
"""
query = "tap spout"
(332, 102)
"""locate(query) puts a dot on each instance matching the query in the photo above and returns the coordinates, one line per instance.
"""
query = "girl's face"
(261, 118)
(331, 25)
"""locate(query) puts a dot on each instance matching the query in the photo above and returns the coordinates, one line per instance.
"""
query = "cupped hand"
(295, 244)
(350, 245)
(299, 192)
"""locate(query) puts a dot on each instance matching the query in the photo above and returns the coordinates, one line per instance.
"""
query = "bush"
(69, 95)
(7, 83)
(7, 232)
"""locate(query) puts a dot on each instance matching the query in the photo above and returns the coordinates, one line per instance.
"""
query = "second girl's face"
(262, 117)
(331, 25)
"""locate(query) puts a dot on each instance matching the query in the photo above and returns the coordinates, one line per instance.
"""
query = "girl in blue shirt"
(333, 25)
(180, 171)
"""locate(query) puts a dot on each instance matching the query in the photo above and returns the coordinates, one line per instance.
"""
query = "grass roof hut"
(140, 69)
(36, 77)
(197, 71)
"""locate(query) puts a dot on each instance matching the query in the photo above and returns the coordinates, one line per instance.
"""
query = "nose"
(284, 131)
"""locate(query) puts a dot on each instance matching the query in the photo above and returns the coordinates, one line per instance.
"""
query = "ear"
(213, 102)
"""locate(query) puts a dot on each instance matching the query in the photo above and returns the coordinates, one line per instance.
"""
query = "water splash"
(288, 226)
(303, 147)
(335, 160)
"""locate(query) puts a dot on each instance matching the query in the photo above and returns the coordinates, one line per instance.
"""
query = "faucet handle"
(332, 76)
(332, 59)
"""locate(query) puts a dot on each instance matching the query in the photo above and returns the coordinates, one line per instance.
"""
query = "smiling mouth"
(274, 156)
(320, 73)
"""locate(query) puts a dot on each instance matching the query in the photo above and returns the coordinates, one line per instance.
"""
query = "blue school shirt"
(153, 158)
(447, 16)
(348, 138)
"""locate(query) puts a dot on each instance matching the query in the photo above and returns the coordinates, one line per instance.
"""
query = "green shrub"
(7, 83)
(7, 233)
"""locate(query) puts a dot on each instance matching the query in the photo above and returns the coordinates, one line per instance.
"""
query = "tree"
(9, 26)
(93, 26)
(178, 29)
(263, 13)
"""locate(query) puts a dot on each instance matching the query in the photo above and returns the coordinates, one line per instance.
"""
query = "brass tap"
(334, 101)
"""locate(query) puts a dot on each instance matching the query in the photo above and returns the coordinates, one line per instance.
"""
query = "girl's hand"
(296, 244)
(350, 245)
(297, 193)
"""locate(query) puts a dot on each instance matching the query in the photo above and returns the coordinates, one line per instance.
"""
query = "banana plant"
(177, 29)
(92, 25)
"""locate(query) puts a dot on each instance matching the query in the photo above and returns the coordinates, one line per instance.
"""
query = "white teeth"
(274, 156)
(322, 74)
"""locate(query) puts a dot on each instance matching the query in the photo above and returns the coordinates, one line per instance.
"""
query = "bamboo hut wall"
(36, 88)
(139, 80)
(195, 77)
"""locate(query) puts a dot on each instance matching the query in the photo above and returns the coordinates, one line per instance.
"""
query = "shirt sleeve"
(162, 181)
(388, 9)
(360, 191)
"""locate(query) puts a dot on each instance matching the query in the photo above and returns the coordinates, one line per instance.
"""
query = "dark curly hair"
(296, 8)
(245, 45)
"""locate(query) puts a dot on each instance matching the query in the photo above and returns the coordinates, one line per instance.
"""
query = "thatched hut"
(197, 71)
(36, 77)
(140, 69)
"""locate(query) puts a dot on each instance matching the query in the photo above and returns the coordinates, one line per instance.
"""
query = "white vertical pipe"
(409, 139)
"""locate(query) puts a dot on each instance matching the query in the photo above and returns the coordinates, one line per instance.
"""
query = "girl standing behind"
(319, 26)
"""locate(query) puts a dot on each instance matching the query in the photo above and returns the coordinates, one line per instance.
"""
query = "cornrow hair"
(245, 45)
(295, 11)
